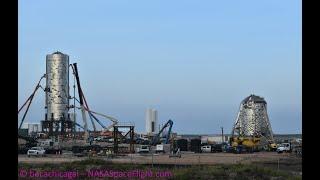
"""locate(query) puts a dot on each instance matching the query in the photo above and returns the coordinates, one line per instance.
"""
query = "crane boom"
(75, 69)
(30, 101)
(114, 120)
(156, 138)
(91, 115)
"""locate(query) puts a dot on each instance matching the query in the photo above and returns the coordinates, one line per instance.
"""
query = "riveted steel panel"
(57, 85)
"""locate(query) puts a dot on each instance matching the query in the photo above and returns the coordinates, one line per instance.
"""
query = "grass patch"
(237, 171)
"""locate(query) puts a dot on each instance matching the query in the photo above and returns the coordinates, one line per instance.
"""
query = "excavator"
(250, 143)
(247, 143)
(156, 138)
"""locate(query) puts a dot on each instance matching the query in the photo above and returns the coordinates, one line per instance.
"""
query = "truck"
(284, 147)
(36, 151)
(50, 146)
(206, 148)
(143, 149)
(159, 148)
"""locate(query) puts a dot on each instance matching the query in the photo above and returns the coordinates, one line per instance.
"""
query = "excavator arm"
(157, 137)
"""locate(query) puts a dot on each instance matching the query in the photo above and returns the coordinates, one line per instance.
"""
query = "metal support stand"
(63, 127)
(116, 138)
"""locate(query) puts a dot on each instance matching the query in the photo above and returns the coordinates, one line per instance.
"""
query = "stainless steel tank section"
(57, 85)
(252, 119)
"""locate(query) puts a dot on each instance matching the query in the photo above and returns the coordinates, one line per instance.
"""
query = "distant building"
(151, 121)
(32, 127)
(206, 138)
(210, 139)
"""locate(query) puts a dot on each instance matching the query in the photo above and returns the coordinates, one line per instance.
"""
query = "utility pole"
(222, 134)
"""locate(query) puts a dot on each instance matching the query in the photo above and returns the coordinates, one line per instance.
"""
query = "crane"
(75, 70)
(114, 120)
(156, 138)
(29, 100)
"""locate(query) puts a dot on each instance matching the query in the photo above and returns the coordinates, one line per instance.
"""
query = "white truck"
(143, 149)
(284, 147)
(36, 151)
(159, 148)
(206, 149)
(51, 147)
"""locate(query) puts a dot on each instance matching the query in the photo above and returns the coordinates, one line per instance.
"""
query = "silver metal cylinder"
(57, 86)
(252, 119)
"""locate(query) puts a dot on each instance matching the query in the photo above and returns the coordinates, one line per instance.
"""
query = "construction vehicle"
(143, 149)
(284, 147)
(206, 149)
(253, 143)
(160, 148)
(156, 138)
(247, 144)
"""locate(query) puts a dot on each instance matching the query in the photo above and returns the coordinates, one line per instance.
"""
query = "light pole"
(222, 134)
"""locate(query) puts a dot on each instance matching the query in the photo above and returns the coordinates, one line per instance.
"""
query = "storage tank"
(33, 128)
(57, 86)
(151, 121)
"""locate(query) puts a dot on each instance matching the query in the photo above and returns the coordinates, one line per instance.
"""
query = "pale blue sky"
(194, 61)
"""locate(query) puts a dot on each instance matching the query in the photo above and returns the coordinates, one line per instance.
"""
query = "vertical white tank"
(57, 85)
(151, 121)
(33, 127)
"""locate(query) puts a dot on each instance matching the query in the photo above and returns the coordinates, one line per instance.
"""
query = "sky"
(193, 61)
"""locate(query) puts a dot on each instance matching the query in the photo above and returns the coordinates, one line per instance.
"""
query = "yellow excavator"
(249, 144)
(241, 143)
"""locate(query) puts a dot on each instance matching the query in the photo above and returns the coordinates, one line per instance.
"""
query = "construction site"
(60, 137)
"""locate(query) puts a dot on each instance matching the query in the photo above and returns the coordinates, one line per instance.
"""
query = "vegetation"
(237, 171)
